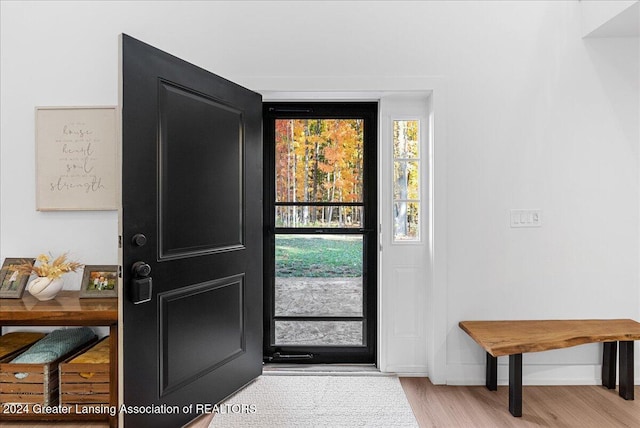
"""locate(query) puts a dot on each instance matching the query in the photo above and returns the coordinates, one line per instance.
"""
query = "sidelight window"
(406, 180)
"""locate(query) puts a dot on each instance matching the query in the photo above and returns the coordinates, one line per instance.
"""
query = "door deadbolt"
(139, 240)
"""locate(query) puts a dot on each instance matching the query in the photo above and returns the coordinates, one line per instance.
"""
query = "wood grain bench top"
(501, 338)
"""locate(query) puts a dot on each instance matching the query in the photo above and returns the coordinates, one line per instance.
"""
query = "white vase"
(43, 288)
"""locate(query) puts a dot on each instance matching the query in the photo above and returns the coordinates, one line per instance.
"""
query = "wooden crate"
(84, 378)
(40, 385)
(12, 345)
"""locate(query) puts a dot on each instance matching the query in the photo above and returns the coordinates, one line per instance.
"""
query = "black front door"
(191, 236)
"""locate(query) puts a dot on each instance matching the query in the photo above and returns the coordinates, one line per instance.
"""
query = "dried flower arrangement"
(53, 270)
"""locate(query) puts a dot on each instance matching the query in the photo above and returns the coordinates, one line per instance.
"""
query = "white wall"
(606, 18)
(537, 117)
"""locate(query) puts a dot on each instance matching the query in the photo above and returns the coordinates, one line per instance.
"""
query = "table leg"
(492, 373)
(609, 364)
(515, 384)
(626, 370)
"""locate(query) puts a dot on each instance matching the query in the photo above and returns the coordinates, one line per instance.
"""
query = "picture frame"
(76, 158)
(99, 281)
(12, 283)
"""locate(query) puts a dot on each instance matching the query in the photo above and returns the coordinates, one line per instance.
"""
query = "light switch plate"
(526, 218)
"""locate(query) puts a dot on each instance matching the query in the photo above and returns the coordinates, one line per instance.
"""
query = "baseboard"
(407, 370)
(532, 374)
(410, 374)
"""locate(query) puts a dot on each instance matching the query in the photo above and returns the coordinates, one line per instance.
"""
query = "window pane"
(318, 275)
(406, 180)
(321, 333)
(323, 256)
(406, 223)
(328, 216)
(319, 160)
(405, 139)
(337, 297)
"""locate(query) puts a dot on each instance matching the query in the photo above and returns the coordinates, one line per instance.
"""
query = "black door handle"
(141, 283)
(140, 269)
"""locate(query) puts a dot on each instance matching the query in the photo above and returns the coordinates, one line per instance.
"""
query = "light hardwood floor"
(477, 407)
(542, 406)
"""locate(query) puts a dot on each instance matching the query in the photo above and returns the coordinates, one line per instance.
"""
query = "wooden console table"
(67, 309)
(513, 338)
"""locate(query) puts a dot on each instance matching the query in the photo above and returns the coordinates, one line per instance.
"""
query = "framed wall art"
(12, 283)
(76, 158)
(99, 281)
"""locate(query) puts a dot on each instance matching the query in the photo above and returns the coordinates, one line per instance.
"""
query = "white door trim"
(367, 88)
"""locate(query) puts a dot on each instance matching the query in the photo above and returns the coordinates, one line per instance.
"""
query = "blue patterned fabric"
(53, 346)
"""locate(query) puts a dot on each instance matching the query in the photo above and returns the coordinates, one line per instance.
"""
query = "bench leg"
(492, 372)
(626, 370)
(609, 364)
(515, 384)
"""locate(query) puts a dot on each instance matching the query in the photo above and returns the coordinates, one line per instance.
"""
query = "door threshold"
(277, 369)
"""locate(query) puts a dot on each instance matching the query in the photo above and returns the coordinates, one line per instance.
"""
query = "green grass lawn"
(317, 257)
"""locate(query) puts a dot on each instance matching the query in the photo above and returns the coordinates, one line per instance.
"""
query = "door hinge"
(119, 241)
(119, 271)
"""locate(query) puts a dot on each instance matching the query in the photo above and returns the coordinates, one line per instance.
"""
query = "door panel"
(224, 301)
(192, 127)
(192, 185)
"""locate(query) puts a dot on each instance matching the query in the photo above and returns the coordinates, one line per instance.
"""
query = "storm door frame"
(365, 354)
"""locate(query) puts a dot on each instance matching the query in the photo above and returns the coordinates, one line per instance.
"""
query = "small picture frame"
(99, 281)
(12, 283)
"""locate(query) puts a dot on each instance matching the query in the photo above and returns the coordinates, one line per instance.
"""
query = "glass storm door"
(321, 240)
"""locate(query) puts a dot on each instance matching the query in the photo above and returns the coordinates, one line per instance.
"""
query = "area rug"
(317, 401)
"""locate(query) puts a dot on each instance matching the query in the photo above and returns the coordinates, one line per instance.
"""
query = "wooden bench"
(514, 338)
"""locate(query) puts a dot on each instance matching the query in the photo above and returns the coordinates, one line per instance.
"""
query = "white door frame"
(368, 88)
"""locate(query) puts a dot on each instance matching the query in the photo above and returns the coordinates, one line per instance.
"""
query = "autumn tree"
(319, 160)
(406, 177)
